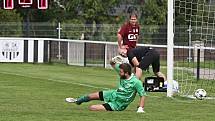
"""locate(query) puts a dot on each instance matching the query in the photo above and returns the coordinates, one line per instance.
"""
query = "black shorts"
(146, 56)
(106, 105)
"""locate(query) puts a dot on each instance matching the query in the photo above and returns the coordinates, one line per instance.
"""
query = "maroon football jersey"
(129, 34)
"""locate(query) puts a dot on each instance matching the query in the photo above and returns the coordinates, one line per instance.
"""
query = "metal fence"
(149, 34)
(102, 32)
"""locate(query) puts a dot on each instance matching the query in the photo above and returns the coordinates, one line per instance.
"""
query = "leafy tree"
(153, 17)
(92, 12)
(10, 23)
(72, 29)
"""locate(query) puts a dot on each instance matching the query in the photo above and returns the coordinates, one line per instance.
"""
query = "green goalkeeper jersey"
(120, 98)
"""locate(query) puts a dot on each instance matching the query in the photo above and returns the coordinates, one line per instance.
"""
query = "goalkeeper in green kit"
(118, 99)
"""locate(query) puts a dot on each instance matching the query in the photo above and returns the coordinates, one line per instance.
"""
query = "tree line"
(89, 14)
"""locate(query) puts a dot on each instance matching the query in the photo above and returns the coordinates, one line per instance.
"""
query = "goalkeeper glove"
(140, 110)
(117, 59)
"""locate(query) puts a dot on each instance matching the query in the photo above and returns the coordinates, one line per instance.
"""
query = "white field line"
(74, 83)
(61, 81)
(54, 80)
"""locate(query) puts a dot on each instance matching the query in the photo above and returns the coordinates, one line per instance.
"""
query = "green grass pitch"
(36, 92)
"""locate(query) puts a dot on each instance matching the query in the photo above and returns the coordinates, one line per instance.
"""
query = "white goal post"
(170, 46)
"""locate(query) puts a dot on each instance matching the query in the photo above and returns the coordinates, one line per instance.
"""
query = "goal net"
(194, 30)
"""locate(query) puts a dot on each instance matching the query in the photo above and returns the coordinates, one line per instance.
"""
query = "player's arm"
(140, 109)
(122, 49)
(120, 35)
(142, 102)
(138, 36)
(141, 92)
(138, 39)
(119, 38)
(120, 42)
(115, 65)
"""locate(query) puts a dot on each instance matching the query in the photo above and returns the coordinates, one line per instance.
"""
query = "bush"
(72, 29)
(10, 23)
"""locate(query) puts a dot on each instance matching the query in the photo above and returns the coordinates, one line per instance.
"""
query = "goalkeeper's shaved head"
(126, 68)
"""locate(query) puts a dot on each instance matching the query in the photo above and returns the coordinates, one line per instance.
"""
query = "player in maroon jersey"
(128, 35)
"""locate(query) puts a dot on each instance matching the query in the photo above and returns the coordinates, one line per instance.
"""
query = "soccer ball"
(200, 94)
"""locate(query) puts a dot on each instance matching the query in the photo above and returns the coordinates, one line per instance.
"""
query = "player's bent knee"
(93, 108)
(97, 108)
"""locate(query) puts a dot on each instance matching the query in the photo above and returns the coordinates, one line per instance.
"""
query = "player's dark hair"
(133, 14)
(126, 68)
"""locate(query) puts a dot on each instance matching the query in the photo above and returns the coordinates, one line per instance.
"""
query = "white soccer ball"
(200, 94)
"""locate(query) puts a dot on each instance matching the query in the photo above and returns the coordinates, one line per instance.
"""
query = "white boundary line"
(192, 97)
(81, 84)
(54, 80)
(61, 81)
(103, 42)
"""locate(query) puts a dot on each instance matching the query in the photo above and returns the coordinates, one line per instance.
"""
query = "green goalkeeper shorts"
(111, 99)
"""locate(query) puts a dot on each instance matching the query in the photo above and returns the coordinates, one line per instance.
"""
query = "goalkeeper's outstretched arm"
(115, 65)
